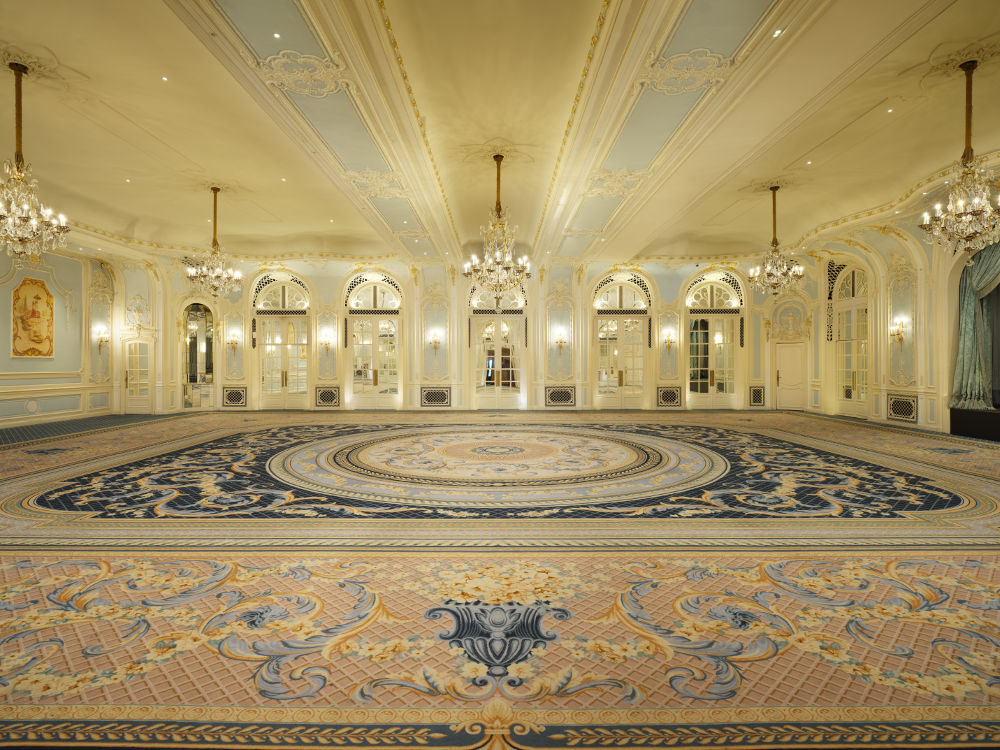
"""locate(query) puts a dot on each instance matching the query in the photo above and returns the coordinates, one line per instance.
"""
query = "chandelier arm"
(19, 70)
(969, 66)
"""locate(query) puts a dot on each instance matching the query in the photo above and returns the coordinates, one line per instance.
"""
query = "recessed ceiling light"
(331, 221)
(284, 180)
(164, 78)
(925, 192)
(277, 36)
(127, 180)
(604, 239)
(416, 242)
(777, 33)
(425, 253)
(889, 110)
(808, 162)
(897, 212)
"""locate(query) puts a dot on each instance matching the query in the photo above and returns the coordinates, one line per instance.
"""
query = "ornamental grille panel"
(901, 407)
(232, 396)
(435, 396)
(560, 395)
(668, 396)
(756, 395)
(328, 397)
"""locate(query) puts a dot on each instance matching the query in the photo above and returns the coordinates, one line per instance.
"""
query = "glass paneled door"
(375, 362)
(284, 363)
(712, 362)
(498, 362)
(138, 394)
(620, 362)
(852, 360)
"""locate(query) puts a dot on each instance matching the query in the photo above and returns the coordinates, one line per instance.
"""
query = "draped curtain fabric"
(973, 385)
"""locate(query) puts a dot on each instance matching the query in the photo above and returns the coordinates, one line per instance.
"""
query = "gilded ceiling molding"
(615, 182)
(688, 71)
(373, 184)
(594, 38)
(306, 74)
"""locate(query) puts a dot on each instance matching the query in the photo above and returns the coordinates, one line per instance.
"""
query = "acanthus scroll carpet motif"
(468, 471)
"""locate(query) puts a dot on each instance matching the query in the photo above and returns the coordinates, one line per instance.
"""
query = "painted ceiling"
(365, 129)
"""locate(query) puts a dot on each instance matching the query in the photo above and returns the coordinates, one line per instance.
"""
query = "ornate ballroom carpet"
(500, 579)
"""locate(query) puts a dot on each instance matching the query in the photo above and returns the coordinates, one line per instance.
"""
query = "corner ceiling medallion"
(499, 271)
(777, 273)
(969, 223)
(27, 227)
(208, 271)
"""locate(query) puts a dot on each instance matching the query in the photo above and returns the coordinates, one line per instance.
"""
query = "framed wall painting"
(32, 334)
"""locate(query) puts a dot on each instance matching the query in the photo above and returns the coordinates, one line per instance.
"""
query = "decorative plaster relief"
(373, 184)
(476, 152)
(617, 182)
(947, 65)
(137, 313)
(685, 72)
(790, 324)
(306, 74)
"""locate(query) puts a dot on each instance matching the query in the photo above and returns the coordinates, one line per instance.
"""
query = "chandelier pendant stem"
(498, 158)
(19, 70)
(774, 214)
(215, 218)
(969, 67)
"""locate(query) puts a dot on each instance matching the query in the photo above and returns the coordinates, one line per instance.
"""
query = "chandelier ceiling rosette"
(209, 270)
(777, 272)
(969, 222)
(27, 227)
(498, 271)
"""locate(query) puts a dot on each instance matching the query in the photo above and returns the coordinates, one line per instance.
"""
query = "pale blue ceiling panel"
(337, 122)
(574, 247)
(717, 25)
(652, 122)
(398, 214)
(594, 212)
(259, 20)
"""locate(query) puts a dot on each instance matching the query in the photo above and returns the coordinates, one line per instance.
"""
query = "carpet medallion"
(690, 581)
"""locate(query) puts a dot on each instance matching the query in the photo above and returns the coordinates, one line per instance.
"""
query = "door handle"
(779, 377)
(621, 378)
(854, 379)
(126, 378)
(711, 378)
(374, 377)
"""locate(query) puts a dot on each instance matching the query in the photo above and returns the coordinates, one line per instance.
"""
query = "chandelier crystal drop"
(969, 222)
(209, 270)
(776, 273)
(27, 227)
(498, 271)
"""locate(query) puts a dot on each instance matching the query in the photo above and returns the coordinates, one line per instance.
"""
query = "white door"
(497, 365)
(620, 362)
(375, 362)
(138, 366)
(790, 382)
(712, 362)
(284, 363)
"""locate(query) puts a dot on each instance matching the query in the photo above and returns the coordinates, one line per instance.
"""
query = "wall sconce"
(234, 340)
(896, 331)
(326, 339)
(103, 337)
(668, 339)
(560, 339)
(435, 341)
(718, 341)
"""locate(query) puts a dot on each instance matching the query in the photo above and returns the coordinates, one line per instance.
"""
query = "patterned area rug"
(508, 581)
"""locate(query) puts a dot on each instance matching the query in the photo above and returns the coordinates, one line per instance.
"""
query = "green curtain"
(973, 388)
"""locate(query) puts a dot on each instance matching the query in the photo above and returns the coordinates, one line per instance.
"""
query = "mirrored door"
(620, 362)
(497, 363)
(712, 371)
(284, 363)
(375, 362)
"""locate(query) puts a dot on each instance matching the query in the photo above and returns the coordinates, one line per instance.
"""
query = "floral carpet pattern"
(744, 626)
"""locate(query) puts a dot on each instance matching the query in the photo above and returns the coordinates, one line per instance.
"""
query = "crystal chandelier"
(498, 271)
(969, 223)
(207, 271)
(776, 272)
(27, 227)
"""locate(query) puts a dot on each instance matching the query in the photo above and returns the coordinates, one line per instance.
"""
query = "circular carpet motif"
(497, 466)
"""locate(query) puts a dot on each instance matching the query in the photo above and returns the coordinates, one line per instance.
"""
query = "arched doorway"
(198, 357)
(373, 302)
(622, 334)
(850, 305)
(715, 335)
(281, 307)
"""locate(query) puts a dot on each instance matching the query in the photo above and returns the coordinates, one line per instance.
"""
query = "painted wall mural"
(32, 308)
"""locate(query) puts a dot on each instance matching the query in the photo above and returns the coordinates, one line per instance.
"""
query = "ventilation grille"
(668, 396)
(756, 395)
(328, 397)
(560, 395)
(234, 396)
(901, 408)
(435, 396)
